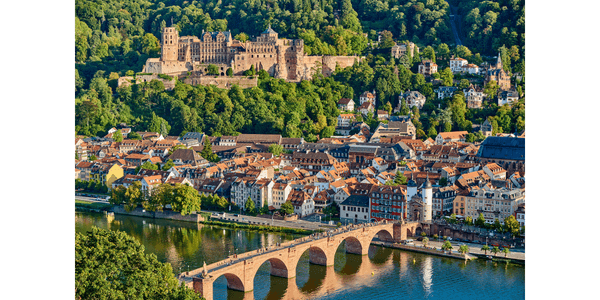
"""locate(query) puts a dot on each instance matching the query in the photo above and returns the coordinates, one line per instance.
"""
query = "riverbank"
(432, 251)
(201, 218)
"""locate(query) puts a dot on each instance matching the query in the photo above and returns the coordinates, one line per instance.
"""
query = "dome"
(412, 182)
(269, 30)
(427, 184)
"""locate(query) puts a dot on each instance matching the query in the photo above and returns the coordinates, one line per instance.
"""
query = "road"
(476, 249)
(91, 199)
(453, 18)
(299, 224)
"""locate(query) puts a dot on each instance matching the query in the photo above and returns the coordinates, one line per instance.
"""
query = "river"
(383, 274)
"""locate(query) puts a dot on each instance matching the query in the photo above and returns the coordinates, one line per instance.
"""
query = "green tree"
(249, 206)
(480, 220)
(485, 249)
(428, 53)
(113, 265)
(463, 84)
(168, 165)
(146, 165)
(275, 149)
(117, 195)
(242, 37)
(447, 246)
(186, 199)
(463, 249)
(469, 220)
(506, 251)
(387, 40)
(264, 209)
(497, 225)
(443, 181)
(447, 77)
(118, 136)
(287, 208)
(213, 70)
(512, 225)
(92, 157)
(491, 89)
(134, 136)
(495, 250)
(452, 219)
(207, 152)
(443, 51)
(229, 72)
(425, 241)
(221, 202)
(133, 196)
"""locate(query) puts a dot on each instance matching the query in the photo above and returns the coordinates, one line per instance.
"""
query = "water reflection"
(383, 273)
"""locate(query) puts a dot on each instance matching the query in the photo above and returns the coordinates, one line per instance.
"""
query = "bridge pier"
(316, 256)
(203, 287)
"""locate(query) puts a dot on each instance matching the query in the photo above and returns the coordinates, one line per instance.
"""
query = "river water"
(383, 274)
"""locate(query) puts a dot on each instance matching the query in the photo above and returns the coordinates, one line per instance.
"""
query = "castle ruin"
(280, 57)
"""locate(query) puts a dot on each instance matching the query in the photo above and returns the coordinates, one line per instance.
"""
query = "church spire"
(499, 61)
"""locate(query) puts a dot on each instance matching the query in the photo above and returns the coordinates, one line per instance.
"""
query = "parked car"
(420, 238)
(457, 239)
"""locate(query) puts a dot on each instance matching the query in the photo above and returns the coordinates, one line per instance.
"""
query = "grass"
(92, 205)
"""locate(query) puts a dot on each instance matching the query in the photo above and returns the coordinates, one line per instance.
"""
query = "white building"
(355, 210)
(457, 64)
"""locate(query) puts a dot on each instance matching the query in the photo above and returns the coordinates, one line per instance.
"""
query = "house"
(412, 98)
(382, 115)
(498, 74)
(486, 128)
(427, 68)
(494, 171)
(149, 183)
(345, 120)
(302, 203)
(471, 69)
(367, 97)
(473, 96)
(520, 214)
(355, 210)
(186, 156)
(445, 91)
(443, 200)
(136, 159)
(492, 203)
(346, 104)
(193, 136)
(281, 192)
(399, 50)
(366, 108)
(507, 97)
(457, 64)
(452, 136)
(388, 202)
(394, 128)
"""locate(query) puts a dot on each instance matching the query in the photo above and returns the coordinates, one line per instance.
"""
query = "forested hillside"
(114, 38)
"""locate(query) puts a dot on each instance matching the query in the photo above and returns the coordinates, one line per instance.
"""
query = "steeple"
(499, 61)
(427, 184)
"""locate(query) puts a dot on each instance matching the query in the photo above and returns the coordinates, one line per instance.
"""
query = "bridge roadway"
(239, 270)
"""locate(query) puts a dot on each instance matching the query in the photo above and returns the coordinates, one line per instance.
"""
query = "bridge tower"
(427, 193)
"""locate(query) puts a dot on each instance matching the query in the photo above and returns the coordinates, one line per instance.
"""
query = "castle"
(498, 74)
(280, 57)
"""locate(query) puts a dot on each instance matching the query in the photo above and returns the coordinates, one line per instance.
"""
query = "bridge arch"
(353, 245)
(234, 282)
(278, 268)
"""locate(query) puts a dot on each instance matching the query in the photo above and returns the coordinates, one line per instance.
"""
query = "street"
(475, 248)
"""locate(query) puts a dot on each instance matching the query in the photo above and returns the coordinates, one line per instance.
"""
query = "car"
(466, 241)
(457, 239)
(420, 238)
(236, 215)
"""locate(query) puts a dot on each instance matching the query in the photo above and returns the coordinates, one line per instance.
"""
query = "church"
(279, 57)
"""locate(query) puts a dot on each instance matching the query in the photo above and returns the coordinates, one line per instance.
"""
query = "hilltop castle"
(281, 58)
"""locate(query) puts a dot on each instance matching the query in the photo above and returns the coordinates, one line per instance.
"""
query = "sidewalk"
(475, 249)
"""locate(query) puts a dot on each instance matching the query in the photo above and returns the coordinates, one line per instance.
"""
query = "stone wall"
(127, 80)
(223, 82)
(170, 215)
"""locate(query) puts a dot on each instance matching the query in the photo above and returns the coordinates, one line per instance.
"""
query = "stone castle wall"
(223, 82)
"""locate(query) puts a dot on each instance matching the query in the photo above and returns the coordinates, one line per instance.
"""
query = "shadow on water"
(316, 275)
(278, 288)
(379, 255)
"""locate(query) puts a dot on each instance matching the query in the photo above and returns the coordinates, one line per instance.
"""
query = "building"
(445, 91)
(457, 64)
(412, 99)
(473, 96)
(388, 203)
(491, 202)
(471, 69)
(520, 214)
(302, 203)
(486, 128)
(399, 50)
(345, 120)
(452, 136)
(281, 58)
(507, 152)
(346, 104)
(355, 210)
(427, 68)
(394, 128)
(366, 108)
(507, 97)
(499, 75)
(443, 200)
(367, 97)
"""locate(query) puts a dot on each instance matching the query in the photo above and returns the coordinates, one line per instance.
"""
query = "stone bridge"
(239, 270)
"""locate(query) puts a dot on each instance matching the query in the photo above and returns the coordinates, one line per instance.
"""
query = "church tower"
(427, 193)
(170, 44)
(499, 61)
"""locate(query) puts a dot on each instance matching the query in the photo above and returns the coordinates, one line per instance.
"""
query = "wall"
(223, 82)
(170, 215)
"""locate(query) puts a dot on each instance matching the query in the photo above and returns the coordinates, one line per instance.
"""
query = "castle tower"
(427, 193)
(170, 44)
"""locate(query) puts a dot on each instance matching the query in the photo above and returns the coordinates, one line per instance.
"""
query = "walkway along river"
(382, 274)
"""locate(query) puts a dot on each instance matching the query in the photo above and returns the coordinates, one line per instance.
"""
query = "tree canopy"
(113, 265)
